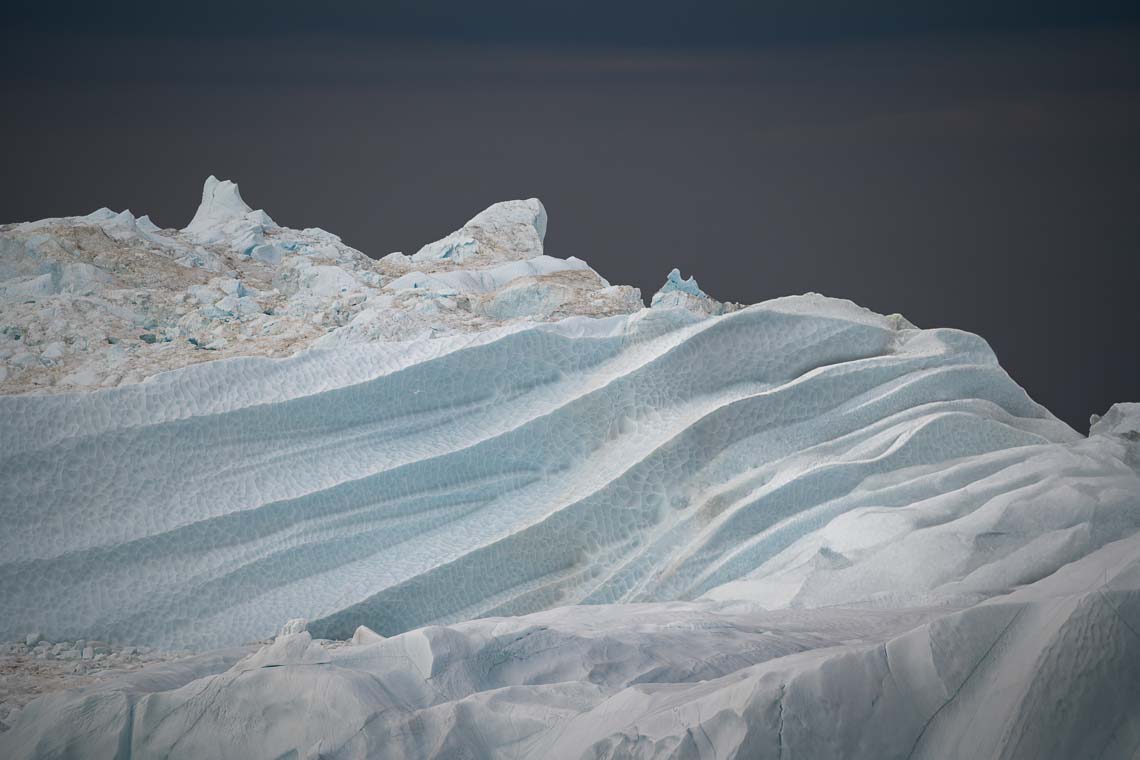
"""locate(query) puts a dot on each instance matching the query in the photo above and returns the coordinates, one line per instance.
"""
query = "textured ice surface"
(1049, 671)
(107, 299)
(804, 451)
(795, 529)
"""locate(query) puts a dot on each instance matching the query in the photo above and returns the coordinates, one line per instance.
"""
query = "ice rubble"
(34, 667)
(799, 527)
(107, 299)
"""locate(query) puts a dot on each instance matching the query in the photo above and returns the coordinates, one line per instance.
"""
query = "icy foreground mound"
(1050, 671)
(846, 537)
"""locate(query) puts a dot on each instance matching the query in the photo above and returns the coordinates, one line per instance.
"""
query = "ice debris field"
(508, 511)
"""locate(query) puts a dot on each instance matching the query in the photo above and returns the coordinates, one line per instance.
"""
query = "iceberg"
(479, 500)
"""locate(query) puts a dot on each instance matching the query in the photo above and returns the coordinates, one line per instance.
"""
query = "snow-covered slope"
(791, 521)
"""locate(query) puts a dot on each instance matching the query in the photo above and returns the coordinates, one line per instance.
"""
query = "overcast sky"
(975, 166)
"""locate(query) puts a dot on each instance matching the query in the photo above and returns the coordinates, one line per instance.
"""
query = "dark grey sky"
(971, 167)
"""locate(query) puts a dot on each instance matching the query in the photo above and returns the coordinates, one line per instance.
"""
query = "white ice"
(1049, 671)
(551, 522)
